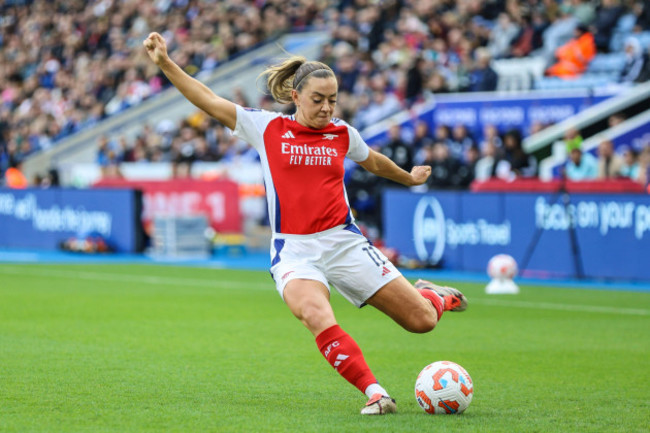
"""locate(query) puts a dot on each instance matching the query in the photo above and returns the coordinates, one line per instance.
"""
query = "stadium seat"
(613, 62)
(644, 38)
(587, 81)
(623, 29)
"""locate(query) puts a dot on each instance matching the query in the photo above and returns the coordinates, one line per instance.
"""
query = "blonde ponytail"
(292, 74)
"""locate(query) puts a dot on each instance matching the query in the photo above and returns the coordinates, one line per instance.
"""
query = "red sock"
(435, 300)
(344, 354)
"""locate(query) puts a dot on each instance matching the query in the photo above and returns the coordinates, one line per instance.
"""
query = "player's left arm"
(383, 166)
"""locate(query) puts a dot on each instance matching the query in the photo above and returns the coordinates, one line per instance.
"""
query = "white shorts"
(340, 256)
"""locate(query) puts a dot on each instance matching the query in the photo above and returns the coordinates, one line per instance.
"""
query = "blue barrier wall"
(463, 230)
(43, 218)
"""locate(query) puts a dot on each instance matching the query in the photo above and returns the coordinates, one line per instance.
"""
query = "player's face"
(316, 101)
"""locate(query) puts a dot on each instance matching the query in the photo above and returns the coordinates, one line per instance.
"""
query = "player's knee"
(314, 316)
(422, 322)
(423, 326)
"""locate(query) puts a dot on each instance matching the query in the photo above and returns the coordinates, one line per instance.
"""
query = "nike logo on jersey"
(329, 137)
(288, 134)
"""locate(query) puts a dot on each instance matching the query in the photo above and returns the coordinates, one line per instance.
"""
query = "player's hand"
(156, 48)
(420, 174)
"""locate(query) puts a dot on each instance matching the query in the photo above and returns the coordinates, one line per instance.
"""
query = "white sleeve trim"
(359, 150)
(251, 124)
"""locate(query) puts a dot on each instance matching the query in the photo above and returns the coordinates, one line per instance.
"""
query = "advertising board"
(463, 230)
(43, 218)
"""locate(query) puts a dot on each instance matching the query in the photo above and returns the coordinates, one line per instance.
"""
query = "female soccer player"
(315, 242)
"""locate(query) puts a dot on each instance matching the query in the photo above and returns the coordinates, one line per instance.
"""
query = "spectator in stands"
(641, 10)
(437, 83)
(467, 170)
(530, 34)
(461, 140)
(609, 163)
(346, 67)
(444, 167)
(584, 11)
(581, 165)
(491, 164)
(538, 126)
(108, 157)
(421, 139)
(572, 138)
(483, 78)
(14, 177)
(77, 66)
(364, 191)
(502, 36)
(66, 60)
(443, 135)
(51, 179)
(521, 164)
(635, 61)
(382, 105)
(606, 18)
(616, 119)
(630, 166)
(491, 134)
(414, 81)
(559, 32)
(396, 149)
(119, 101)
(644, 167)
(574, 56)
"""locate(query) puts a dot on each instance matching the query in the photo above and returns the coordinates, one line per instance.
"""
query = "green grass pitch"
(146, 348)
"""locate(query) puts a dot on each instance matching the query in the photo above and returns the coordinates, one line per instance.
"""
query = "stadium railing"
(624, 134)
(518, 74)
(632, 100)
(611, 186)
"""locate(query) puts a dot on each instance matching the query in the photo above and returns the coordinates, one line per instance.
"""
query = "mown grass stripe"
(561, 307)
(220, 283)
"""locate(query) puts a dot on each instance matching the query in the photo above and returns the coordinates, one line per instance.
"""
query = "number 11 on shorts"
(374, 256)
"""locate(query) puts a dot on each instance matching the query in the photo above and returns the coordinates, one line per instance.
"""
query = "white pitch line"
(561, 307)
(177, 281)
(143, 279)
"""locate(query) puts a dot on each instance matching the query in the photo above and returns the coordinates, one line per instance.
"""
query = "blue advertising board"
(43, 218)
(463, 230)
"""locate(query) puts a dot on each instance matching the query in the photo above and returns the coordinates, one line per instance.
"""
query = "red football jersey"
(303, 169)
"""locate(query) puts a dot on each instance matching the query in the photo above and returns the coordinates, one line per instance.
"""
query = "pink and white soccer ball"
(502, 266)
(444, 387)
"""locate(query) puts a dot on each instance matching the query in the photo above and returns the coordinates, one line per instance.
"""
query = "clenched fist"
(420, 174)
(156, 48)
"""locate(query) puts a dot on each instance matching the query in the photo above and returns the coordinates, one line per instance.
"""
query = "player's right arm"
(195, 91)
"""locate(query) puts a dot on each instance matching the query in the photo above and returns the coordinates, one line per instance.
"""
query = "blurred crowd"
(66, 65)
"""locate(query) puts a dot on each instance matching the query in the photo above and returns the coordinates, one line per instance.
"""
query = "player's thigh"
(358, 269)
(308, 300)
(403, 303)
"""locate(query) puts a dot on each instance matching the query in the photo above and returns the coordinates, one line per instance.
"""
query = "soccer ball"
(502, 267)
(444, 387)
